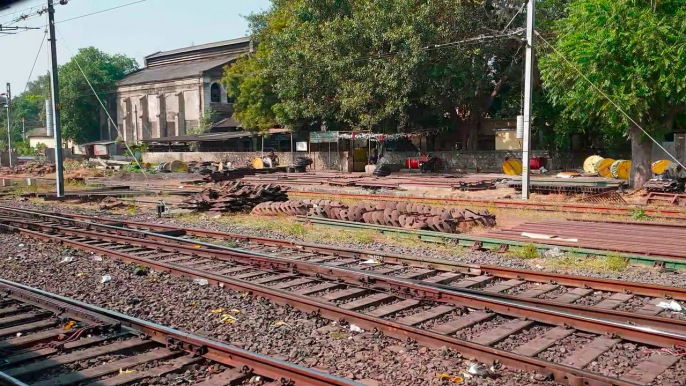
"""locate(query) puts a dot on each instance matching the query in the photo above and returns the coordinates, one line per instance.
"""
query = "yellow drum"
(604, 166)
(589, 164)
(512, 167)
(621, 169)
(257, 163)
(660, 167)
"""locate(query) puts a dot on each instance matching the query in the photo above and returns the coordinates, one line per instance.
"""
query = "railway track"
(655, 212)
(47, 340)
(520, 322)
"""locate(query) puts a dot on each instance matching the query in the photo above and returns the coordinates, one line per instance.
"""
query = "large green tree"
(374, 64)
(635, 52)
(79, 107)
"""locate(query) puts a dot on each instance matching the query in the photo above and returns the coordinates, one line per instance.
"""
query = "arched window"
(215, 93)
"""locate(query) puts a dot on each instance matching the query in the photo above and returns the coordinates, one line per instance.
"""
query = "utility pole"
(55, 99)
(528, 85)
(9, 127)
(23, 130)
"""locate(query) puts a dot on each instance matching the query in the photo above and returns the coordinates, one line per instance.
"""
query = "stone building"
(169, 95)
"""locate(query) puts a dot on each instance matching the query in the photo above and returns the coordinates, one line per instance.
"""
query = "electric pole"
(9, 127)
(23, 130)
(55, 99)
(528, 85)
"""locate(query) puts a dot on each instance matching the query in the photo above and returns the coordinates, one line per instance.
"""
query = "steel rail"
(219, 352)
(561, 373)
(498, 271)
(674, 214)
(353, 276)
(500, 243)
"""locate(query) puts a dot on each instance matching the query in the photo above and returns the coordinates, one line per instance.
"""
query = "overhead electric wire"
(35, 61)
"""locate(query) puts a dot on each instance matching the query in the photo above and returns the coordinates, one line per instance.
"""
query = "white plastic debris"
(67, 259)
(674, 306)
(21, 245)
(371, 261)
(97, 258)
(555, 252)
(477, 369)
(354, 328)
(202, 282)
(105, 279)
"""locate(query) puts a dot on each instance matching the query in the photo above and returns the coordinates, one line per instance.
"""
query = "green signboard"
(323, 136)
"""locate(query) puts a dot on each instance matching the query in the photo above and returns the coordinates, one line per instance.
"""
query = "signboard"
(301, 146)
(323, 136)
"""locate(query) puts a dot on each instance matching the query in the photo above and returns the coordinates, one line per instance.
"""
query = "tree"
(635, 52)
(254, 98)
(80, 109)
(372, 64)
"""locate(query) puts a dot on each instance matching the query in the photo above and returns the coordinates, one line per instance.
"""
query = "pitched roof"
(198, 48)
(206, 137)
(37, 132)
(174, 71)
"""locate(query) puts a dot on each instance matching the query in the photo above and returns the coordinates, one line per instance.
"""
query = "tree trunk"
(641, 157)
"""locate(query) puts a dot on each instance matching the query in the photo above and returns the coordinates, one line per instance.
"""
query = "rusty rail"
(168, 342)
(276, 269)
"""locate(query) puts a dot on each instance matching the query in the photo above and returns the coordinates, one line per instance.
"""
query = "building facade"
(168, 96)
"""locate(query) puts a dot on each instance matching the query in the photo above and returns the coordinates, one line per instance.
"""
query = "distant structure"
(169, 95)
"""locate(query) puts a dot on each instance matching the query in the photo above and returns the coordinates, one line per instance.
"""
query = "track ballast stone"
(251, 323)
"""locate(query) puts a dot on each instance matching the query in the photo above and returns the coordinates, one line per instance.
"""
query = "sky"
(136, 30)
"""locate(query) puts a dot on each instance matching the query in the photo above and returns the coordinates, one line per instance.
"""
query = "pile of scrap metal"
(667, 185)
(390, 213)
(31, 168)
(234, 197)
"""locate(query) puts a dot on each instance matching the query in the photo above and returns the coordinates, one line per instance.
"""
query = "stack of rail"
(234, 197)
(398, 214)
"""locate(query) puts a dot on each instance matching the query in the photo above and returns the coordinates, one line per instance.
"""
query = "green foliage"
(527, 252)
(639, 214)
(23, 148)
(80, 109)
(254, 98)
(365, 63)
(205, 124)
(635, 52)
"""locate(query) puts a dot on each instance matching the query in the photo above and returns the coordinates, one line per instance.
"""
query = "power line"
(35, 61)
(99, 12)
(82, 16)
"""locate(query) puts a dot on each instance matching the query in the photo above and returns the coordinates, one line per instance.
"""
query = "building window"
(215, 93)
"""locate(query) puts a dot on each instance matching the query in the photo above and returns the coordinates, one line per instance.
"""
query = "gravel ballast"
(254, 324)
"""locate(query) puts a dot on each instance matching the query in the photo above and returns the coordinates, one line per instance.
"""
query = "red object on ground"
(536, 163)
(413, 162)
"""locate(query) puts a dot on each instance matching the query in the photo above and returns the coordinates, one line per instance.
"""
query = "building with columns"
(169, 95)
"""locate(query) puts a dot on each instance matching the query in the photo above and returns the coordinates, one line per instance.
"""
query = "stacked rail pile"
(32, 168)
(397, 214)
(234, 197)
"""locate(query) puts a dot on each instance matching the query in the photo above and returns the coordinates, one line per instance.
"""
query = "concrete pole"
(55, 100)
(23, 129)
(528, 85)
(9, 130)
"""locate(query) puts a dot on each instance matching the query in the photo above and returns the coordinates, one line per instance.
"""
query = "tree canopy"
(384, 64)
(635, 52)
(80, 109)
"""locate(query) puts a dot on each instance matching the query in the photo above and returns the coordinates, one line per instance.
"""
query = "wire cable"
(35, 61)
(608, 99)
